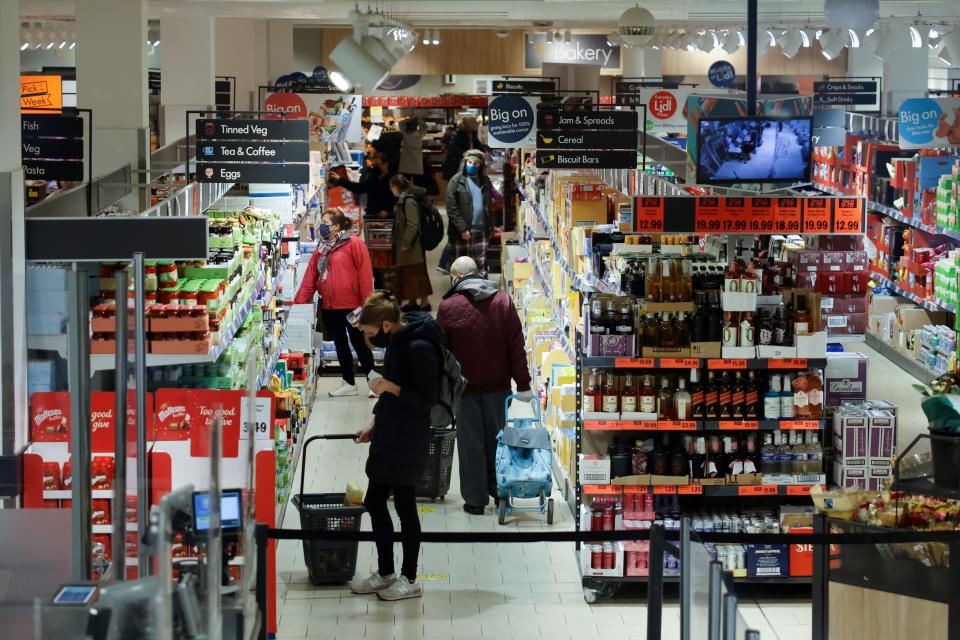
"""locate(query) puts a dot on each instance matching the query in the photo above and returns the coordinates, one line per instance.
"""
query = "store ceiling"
(516, 14)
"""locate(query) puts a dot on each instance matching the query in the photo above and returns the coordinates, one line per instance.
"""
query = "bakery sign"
(583, 48)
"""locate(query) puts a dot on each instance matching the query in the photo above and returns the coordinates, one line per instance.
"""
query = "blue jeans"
(446, 257)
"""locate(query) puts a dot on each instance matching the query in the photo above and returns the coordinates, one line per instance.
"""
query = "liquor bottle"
(784, 453)
(731, 279)
(651, 331)
(725, 398)
(768, 456)
(699, 318)
(748, 453)
(786, 398)
(801, 317)
(668, 281)
(772, 278)
(801, 397)
(763, 331)
(682, 402)
(609, 395)
(814, 454)
(591, 394)
(653, 281)
(779, 329)
(683, 331)
(697, 408)
(729, 330)
(624, 326)
(596, 318)
(734, 464)
(815, 395)
(714, 317)
(665, 401)
(738, 397)
(711, 397)
(685, 282)
(748, 280)
(647, 397)
(771, 400)
(746, 336)
(610, 318)
(713, 461)
(799, 452)
(698, 457)
(668, 332)
(628, 395)
(751, 402)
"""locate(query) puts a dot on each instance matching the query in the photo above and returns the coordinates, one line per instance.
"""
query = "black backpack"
(431, 225)
(452, 384)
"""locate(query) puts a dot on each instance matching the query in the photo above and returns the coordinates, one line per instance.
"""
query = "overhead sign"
(229, 150)
(592, 120)
(583, 48)
(512, 122)
(41, 94)
(585, 140)
(246, 172)
(845, 92)
(665, 107)
(332, 117)
(524, 86)
(52, 147)
(580, 159)
(829, 127)
(929, 123)
(721, 74)
(229, 129)
(245, 151)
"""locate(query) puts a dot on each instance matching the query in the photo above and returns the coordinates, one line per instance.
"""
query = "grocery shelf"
(929, 305)
(721, 490)
(717, 364)
(67, 494)
(703, 425)
(106, 362)
(270, 295)
(676, 579)
(893, 212)
(56, 343)
(905, 362)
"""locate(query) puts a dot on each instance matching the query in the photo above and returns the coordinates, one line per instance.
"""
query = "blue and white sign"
(929, 123)
(721, 74)
(512, 122)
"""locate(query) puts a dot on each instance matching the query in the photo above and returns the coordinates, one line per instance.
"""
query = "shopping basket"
(328, 562)
(378, 236)
(436, 479)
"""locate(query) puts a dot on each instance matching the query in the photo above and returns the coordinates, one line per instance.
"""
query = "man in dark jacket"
(375, 184)
(484, 333)
(470, 210)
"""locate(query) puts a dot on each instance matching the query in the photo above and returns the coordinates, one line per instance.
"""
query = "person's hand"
(524, 396)
(465, 235)
(382, 385)
(404, 247)
(363, 435)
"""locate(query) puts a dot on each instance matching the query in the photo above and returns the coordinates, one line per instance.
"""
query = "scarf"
(325, 248)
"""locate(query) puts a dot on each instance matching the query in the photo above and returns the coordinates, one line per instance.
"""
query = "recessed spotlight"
(436, 37)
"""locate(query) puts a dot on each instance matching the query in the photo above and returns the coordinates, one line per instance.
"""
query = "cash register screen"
(230, 510)
(79, 595)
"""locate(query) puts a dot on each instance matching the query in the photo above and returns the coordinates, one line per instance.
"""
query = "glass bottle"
(610, 396)
(772, 278)
(699, 318)
(711, 397)
(729, 330)
(814, 454)
(801, 397)
(771, 400)
(738, 397)
(697, 409)
(624, 326)
(591, 394)
(768, 456)
(801, 317)
(610, 318)
(714, 317)
(784, 453)
(698, 457)
(682, 402)
(668, 281)
(748, 280)
(725, 398)
(628, 395)
(734, 464)
(684, 281)
(665, 401)
(668, 332)
(815, 395)
(763, 331)
(647, 397)
(713, 463)
(746, 336)
(683, 330)
(779, 329)
(799, 452)
(651, 331)
(749, 455)
(786, 398)
(596, 318)
(751, 399)
(652, 284)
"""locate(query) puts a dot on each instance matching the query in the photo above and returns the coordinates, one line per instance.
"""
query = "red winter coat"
(483, 331)
(349, 277)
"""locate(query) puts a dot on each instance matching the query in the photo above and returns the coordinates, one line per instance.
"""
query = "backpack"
(452, 384)
(431, 225)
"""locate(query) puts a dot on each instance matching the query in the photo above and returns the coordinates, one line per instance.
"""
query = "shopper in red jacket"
(340, 272)
(484, 333)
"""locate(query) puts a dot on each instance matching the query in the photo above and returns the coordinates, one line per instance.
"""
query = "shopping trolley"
(378, 236)
(524, 465)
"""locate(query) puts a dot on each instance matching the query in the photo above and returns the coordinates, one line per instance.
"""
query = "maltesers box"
(845, 324)
(845, 378)
(805, 260)
(832, 261)
(768, 560)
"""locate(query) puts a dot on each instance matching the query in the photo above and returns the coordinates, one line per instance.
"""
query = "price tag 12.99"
(648, 215)
(262, 423)
(848, 215)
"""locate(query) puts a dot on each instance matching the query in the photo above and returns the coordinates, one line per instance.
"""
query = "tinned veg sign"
(512, 122)
(929, 122)
(721, 74)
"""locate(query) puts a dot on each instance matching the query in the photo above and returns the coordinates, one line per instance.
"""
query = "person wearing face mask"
(340, 272)
(469, 210)
(374, 183)
(411, 281)
(399, 436)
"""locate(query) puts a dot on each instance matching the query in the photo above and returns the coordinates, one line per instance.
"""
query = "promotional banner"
(512, 122)
(41, 94)
(721, 74)
(583, 48)
(929, 122)
(666, 109)
(333, 117)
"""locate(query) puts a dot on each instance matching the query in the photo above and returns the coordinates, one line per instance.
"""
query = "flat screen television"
(760, 149)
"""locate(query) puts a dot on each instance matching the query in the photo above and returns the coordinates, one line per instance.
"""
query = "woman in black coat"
(399, 435)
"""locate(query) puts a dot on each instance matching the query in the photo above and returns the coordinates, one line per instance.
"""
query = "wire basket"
(436, 479)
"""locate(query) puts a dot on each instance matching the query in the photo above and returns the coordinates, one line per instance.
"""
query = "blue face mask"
(324, 230)
(472, 169)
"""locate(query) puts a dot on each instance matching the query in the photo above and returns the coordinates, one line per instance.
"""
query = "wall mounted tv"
(751, 150)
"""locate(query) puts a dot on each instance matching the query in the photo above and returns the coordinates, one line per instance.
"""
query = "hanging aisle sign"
(594, 120)
(523, 86)
(268, 151)
(560, 139)
(586, 159)
(583, 48)
(845, 92)
(52, 147)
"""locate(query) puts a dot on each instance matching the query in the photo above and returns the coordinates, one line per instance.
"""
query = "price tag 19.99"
(262, 424)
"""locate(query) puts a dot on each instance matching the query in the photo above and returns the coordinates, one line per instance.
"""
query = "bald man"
(484, 333)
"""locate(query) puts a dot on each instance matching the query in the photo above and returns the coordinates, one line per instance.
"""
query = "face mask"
(472, 169)
(324, 230)
(381, 340)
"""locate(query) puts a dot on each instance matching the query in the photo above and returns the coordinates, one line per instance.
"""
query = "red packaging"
(609, 561)
(51, 504)
(846, 303)
(67, 481)
(805, 280)
(596, 556)
(131, 510)
(805, 260)
(51, 476)
(104, 539)
(856, 260)
(835, 283)
(858, 282)
(801, 555)
(832, 261)
(101, 473)
(100, 512)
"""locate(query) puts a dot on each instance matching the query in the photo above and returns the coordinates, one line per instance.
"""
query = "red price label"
(800, 425)
(601, 425)
(760, 217)
(634, 489)
(633, 363)
(648, 214)
(602, 489)
(727, 363)
(708, 215)
(637, 425)
(788, 215)
(739, 425)
(665, 490)
(735, 215)
(676, 425)
(679, 363)
(800, 490)
(757, 490)
(787, 363)
(690, 490)
(816, 215)
(848, 215)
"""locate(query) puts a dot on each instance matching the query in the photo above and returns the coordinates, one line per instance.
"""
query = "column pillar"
(905, 73)
(279, 49)
(631, 59)
(112, 80)
(187, 69)
(14, 427)
(652, 66)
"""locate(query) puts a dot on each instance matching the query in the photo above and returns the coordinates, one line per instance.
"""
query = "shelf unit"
(929, 305)
(909, 365)
(719, 490)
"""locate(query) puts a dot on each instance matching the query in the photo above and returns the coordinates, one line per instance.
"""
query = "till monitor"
(753, 150)
(231, 512)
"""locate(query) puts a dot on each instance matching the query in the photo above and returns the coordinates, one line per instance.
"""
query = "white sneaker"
(401, 589)
(344, 390)
(374, 583)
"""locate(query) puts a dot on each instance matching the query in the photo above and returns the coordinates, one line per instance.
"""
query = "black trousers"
(405, 504)
(343, 333)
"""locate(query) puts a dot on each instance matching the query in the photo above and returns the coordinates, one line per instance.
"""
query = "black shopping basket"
(328, 561)
(436, 479)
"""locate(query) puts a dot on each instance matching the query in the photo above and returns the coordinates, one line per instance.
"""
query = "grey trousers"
(479, 420)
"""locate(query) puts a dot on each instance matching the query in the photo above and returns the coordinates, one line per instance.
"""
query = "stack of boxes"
(915, 332)
(836, 267)
(864, 441)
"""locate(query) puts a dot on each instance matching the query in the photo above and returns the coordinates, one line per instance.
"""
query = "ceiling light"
(426, 37)
(773, 39)
(72, 45)
(790, 42)
(613, 39)
(916, 40)
(636, 26)
(832, 43)
(819, 33)
(436, 37)
(884, 42)
(156, 43)
(763, 43)
(854, 38)
(63, 43)
(566, 36)
(869, 32)
(950, 53)
(23, 47)
(339, 81)
(805, 39)
(730, 42)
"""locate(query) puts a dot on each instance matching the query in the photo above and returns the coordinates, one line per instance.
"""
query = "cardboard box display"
(616, 346)
(639, 552)
(745, 479)
(883, 434)
(657, 352)
(594, 469)
(586, 557)
(768, 561)
(738, 301)
(845, 303)
(845, 378)
(772, 351)
(707, 350)
(738, 352)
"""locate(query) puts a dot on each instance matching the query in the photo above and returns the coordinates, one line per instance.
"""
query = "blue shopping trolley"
(524, 466)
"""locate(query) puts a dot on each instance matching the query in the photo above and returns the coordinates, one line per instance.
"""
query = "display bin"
(436, 479)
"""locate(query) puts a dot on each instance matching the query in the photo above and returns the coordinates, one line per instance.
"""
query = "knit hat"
(474, 154)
